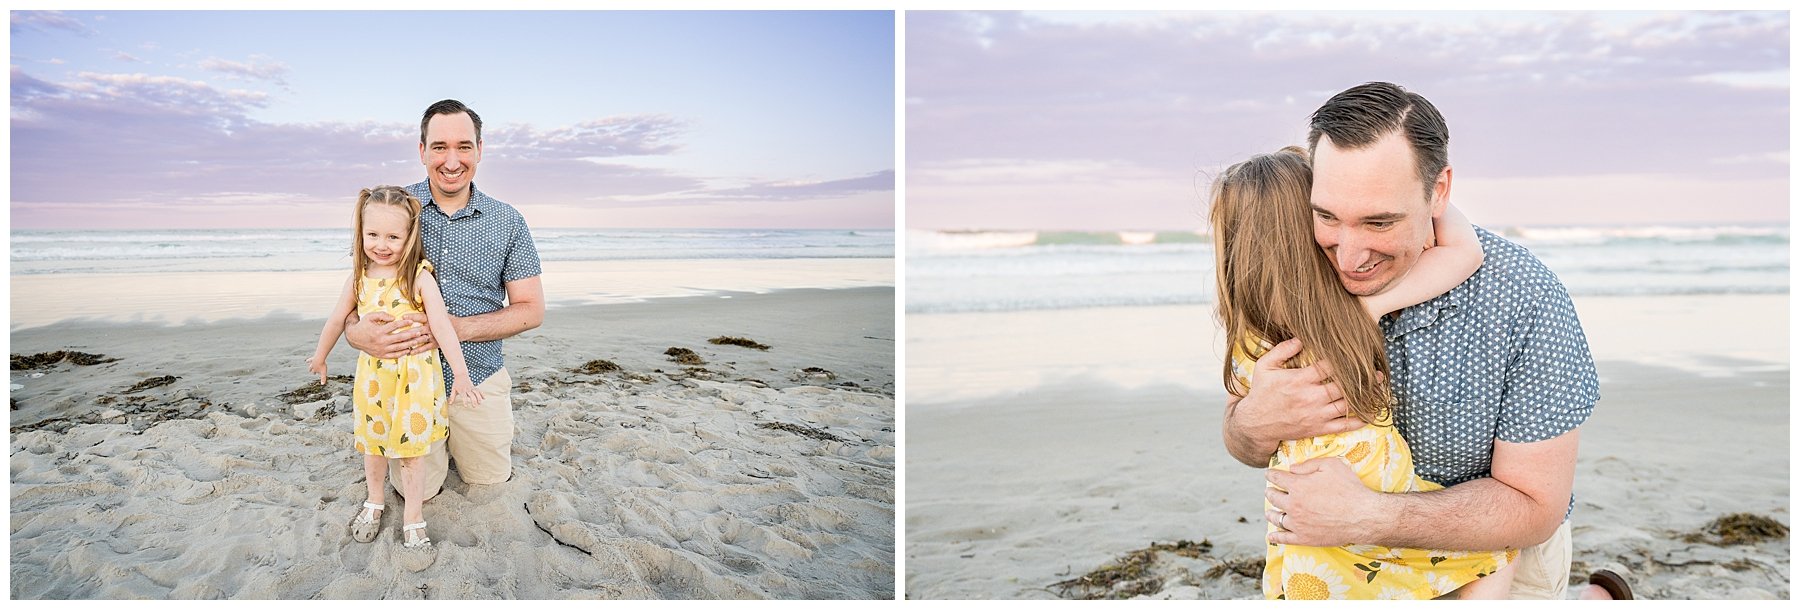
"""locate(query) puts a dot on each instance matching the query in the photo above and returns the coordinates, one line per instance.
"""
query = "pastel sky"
(125, 119)
(1120, 120)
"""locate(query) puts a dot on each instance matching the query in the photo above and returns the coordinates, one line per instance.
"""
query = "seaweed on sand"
(153, 382)
(1739, 528)
(738, 341)
(683, 355)
(802, 431)
(312, 392)
(1129, 576)
(595, 367)
(1245, 567)
(49, 359)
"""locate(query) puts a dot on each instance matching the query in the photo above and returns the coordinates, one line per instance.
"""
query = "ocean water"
(953, 271)
(39, 252)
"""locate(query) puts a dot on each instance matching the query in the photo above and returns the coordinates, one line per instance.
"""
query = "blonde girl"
(1275, 284)
(399, 402)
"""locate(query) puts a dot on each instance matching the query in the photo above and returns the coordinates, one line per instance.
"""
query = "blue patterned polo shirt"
(1501, 356)
(476, 251)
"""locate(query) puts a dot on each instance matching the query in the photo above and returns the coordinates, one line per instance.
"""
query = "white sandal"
(367, 522)
(423, 541)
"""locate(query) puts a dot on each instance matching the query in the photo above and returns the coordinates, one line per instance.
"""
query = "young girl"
(1274, 283)
(399, 401)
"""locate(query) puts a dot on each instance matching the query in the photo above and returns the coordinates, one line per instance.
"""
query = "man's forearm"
(503, 323)
(1241, 446)
(1480, 515)
(351, 336)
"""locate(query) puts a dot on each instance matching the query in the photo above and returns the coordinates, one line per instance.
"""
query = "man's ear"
(1440, 193)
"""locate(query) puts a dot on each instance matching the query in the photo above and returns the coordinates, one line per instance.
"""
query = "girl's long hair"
(1275, 284)
(411, 253)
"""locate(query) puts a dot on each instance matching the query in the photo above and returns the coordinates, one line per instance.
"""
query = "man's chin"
(1364, 288)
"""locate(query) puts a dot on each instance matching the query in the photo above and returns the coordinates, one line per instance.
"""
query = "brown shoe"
(1611, 582)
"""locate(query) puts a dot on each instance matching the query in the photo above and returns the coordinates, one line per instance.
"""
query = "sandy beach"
(1045, 445)
(758, 474)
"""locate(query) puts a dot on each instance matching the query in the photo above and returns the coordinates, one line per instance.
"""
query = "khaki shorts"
(480, 440)
(1542, 571)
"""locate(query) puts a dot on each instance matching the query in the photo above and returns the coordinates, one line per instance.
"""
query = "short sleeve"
(1242, 366)
(425, 266)
(1551, 384)
(521, 254)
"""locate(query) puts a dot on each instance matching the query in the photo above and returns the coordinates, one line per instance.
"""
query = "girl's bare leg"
(1493, 586)
(375, 469)
(367, 524)
(414, 480)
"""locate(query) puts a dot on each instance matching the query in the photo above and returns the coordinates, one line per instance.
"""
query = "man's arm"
(1520, 505)
(1284, 404)
(524, 311)
(375, 334)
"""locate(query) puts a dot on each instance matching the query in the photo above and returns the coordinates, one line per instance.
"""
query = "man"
(1491, 380)
(487, 269)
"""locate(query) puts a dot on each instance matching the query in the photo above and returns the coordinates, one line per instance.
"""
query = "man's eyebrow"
(1382, 217)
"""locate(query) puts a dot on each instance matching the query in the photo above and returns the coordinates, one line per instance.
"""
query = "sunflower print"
(1380, 457)
(400, 401)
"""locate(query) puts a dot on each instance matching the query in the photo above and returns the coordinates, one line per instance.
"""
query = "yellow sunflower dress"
(399, 401)
(1380, 457)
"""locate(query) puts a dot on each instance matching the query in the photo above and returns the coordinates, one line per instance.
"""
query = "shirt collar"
(475, 207)
(1444, 306)
(1441, 307)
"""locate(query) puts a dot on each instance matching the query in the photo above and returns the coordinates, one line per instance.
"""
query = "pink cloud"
(1539, 96)
(259, 68)
(106, 149)
(46, 21)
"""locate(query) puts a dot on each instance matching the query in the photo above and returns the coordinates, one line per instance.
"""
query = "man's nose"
(1352, 251)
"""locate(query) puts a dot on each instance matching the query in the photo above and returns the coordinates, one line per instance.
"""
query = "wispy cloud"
(47, 20)
(185, 144)
(610, 137)
(257, 68)
(127, 57)
(792, 190)
(1538, 95)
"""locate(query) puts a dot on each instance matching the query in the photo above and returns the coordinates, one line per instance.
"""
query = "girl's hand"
(316, 364)
(461, 389)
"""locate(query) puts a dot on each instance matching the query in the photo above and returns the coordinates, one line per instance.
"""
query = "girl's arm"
(334, 327)
(444, 333)
(1440, 268)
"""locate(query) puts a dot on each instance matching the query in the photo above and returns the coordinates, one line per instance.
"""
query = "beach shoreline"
(757, 474)
(185, 297)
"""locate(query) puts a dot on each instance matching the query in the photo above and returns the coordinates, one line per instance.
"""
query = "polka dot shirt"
(477, 251)
(1500, 357)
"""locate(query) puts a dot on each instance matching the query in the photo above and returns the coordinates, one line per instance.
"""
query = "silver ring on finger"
(1281, 522)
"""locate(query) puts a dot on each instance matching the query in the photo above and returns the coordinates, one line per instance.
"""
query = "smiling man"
(488, 272)
(1491, 380)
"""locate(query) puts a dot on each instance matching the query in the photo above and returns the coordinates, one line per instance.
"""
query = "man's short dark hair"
(448, 107)
(1360, 115)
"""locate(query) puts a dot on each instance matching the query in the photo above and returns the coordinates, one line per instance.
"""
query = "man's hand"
(1285, 404)
(1325, 505)
(375, 335)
